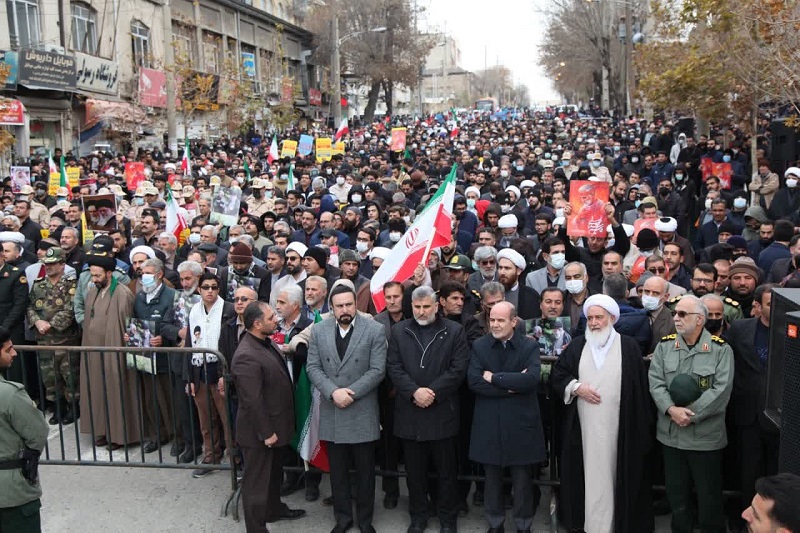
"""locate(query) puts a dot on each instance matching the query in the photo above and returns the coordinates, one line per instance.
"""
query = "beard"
(425, 321)
(487, 272)
(345, 319)
(294, 269)
(598, 338)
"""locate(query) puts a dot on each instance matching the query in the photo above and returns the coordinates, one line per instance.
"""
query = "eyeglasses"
(487, 262)
(657, 270)
(682, 314)
(242, 299)
(209, 287)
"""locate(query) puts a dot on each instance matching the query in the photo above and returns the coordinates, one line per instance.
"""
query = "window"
(23, 22)
(140, 44)
(84, 29)
(212, 52)
(183, 39)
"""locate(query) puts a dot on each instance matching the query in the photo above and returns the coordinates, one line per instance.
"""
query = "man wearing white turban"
(606, 427)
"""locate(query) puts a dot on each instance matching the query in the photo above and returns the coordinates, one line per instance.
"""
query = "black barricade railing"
(106, 376)
(131, 402)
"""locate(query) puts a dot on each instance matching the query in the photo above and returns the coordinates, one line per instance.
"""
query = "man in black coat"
(507, 427)
(756, 443)
(427, 361)
(241, 271)
(632, 509)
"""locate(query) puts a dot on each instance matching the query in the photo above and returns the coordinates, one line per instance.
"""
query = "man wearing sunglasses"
(691, 378)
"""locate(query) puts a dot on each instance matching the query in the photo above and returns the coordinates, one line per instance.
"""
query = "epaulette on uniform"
(669, 337)
(476, 294)
(717, 339)
(732, 302)
(676, 299)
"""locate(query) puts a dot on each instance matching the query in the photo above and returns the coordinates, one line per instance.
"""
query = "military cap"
(684, 390)
(459, 262)
(348, 255)
(54, 255)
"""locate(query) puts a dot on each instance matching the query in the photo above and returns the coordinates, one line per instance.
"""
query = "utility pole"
(337, 74)
(628, 54)
(169, 58)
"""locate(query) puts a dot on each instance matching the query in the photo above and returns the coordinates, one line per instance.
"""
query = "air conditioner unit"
(53, 48)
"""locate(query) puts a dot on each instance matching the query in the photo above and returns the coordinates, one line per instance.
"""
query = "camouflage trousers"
(60, 371)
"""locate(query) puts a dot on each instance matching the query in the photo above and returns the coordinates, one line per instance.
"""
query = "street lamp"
(337, 75)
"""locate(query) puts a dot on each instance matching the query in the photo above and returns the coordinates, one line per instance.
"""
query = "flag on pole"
(454, 132)
(273, 150)
(290, 178)
(53, 167)
(185, 166)
(407, 154)
(306, 408)
(63, 181)
(430, 230)
(247, 170)
(175, 224)
(343, 130)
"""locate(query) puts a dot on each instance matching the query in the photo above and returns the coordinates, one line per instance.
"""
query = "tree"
(7, 139)
(384, 60)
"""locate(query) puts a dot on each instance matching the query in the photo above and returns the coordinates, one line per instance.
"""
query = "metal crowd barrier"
(145, 396)
(148, 405)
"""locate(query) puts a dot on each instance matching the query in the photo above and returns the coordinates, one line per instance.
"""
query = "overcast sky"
(504, 31)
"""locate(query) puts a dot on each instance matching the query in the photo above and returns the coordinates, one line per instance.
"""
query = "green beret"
(684, 390)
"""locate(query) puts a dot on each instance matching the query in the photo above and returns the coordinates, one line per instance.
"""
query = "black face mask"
(664, 191)
(257, 193)
(713, 325)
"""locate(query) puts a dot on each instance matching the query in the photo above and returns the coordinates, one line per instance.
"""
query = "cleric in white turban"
(508, 225)
(510, 266)
(606, 426)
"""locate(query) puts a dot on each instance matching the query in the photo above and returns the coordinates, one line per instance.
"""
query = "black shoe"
(341, 529)
(477, 498)
(389, 502)
(312, 493)
(448, 529)
(498, 529)
(327, 501)
(416, 528)
(188, 455)
(176, 449)
(288, 487)
(201, 472)
(368, 529)
(150, 447)
(292, 514)
(70, 415)
(523, 531)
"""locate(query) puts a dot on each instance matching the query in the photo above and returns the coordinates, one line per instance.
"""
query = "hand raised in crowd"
(610, 214)
(424, 397)
(680, 415)
(567, 210)
(342, 398)
(419, 275)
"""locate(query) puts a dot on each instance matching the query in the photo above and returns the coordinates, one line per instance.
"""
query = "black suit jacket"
(749, 377)
(266, 394)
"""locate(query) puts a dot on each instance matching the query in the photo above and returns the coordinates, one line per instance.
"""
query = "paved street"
(89, 499)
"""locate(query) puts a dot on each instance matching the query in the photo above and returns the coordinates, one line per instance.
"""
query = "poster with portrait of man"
(20, 177)
(588, 200)
(101, 212)
(225, 206)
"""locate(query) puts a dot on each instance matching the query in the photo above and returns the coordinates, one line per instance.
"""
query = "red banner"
(724, 171)
(588, 200)
(315, 97)
(12, 113)
(152, 88)
(398, 142)
(134, 175)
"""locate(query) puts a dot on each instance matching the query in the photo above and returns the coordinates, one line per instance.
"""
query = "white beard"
(598, 338)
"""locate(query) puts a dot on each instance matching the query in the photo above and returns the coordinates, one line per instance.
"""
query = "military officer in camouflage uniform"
(458, 270)
(692, 431)
(52, 316)
(23, 434)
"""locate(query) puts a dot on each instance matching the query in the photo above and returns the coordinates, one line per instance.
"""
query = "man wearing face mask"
(670, 203)
(786, 202)
(257, 204)
(654, 293)
(392, 235)
(739, 206)
(553, 253)
(716, 324)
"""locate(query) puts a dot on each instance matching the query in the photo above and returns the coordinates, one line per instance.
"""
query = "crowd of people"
(660, 321)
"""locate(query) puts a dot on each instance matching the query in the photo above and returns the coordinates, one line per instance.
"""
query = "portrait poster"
(552, 334)
(101, 212)
(182, 305)
(724, 171)
(235, 281)
(134, 175)
(289, 148)
(139, 333)
(20, 177)
(225, 207)
(706, 165)
(588, 200)
(398, 143)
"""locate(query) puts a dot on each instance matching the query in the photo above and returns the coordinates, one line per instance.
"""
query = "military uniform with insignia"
(23, 435)
(13, 304)
(693, 454)
(731, 308)
(53, 303)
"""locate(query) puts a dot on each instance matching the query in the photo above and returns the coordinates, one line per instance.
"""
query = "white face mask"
(791, 183)
(194, 238)
(504, 173)
(394, 236)
(362, 247)
(340, 180)
(651, 303)
(560, 212)
(708, 203)
(574, 286)
(557, 260)
(356, 198)
(739, 203)
(329, 171)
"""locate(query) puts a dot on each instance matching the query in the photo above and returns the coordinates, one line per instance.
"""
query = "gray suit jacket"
(361, 369)
(537, 280)
(661, 326)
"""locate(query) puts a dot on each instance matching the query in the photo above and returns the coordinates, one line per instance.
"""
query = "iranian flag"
(431, 229)
(247, 170)
(185, 166)
(343, 130)
(58, 172)
(290, 178)
(63, 181)
(306, 412)
(175, 224)
(273, 150)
